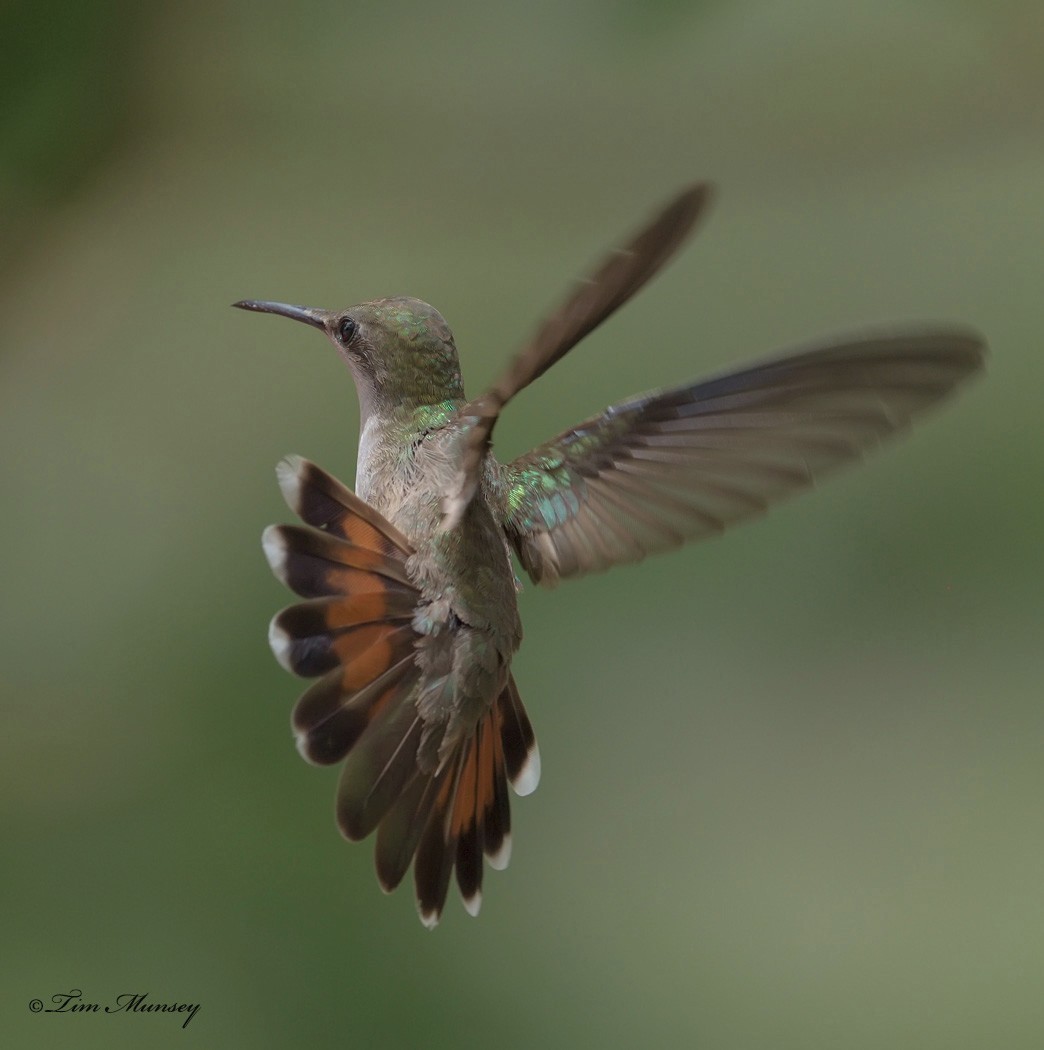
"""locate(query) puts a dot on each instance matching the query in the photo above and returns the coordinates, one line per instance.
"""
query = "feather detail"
(521, 754)
(663, 468)
(385, 666)
(470, 815)
(622, 274)
(319, 499)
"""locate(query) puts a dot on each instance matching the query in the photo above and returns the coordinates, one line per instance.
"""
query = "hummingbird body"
(411, 623)
(469, 593)
(409, 451)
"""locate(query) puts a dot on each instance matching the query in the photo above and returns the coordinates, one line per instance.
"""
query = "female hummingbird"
(411, 622)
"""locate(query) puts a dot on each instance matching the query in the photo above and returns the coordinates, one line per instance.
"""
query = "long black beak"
(310, 315)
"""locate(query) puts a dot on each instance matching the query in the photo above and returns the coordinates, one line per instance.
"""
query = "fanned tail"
(467, 814)
(355, 635)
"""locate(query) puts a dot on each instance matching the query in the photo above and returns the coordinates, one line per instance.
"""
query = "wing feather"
(623, 273)
(682, 464)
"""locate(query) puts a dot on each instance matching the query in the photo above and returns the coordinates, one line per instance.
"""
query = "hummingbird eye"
(345, 330)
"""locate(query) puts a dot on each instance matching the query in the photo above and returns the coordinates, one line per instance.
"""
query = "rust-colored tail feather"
(471, 814)
(329, 720)
(355, 634)
(469, 819)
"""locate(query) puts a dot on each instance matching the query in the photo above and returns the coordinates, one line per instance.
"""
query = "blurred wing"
(619, 277)
(663, 468)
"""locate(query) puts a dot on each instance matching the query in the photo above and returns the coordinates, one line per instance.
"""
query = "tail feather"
(314, 624)
(312, 650)
(399, 833)
(321, 500)
(436, 851)
(378, 769)
(472, 819)
(356, 634)
(314, 564)
(468, 814)
(520, 747)
(328, 719)
(497, 838)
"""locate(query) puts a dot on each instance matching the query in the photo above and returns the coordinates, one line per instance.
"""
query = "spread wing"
(620, 276)
(660, 469)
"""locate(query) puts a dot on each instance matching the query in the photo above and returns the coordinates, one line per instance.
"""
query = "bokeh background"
(793, 779)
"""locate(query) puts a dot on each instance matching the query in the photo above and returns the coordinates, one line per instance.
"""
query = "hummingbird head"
(400, 351)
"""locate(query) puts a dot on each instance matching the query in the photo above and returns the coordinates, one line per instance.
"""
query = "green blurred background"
(793, 779)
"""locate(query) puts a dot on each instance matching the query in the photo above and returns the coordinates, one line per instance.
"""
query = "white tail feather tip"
(279, 640)
(275, 549)
(288, 474)
(301, 740)
(529, 775)
(499, 861)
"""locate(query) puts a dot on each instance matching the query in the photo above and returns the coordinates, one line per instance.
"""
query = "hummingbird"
(410, 622)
